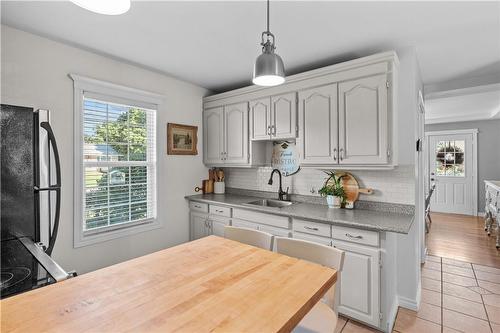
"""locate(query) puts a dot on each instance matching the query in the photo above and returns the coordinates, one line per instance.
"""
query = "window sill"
(83, 238)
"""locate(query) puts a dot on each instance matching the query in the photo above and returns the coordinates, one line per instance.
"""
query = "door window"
(450, 158)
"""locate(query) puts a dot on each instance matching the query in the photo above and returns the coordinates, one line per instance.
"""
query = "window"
(116, 161)
(450, 158)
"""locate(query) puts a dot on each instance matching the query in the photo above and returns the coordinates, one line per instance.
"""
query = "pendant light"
(107, 7)
(268, 69)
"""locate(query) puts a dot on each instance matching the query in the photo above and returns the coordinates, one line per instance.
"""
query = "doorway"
(452, 167)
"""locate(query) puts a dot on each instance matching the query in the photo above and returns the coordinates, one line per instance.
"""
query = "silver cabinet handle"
(355, 237)
(273, 127)
(310, 228)
(334, 154)
(219, 211)
(341, 151)
(269, 132)
(197, 206)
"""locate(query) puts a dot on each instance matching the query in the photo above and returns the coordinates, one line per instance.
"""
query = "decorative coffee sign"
(285, 158)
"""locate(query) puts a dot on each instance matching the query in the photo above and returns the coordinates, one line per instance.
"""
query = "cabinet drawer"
(359, 236)
(311, 238)
(244, 224)
(198, 207)
(275, 231)
(313, 228)
(261, 218)
(220, 210)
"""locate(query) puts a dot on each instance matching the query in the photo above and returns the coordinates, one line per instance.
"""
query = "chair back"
(317, 253)
(248, 236)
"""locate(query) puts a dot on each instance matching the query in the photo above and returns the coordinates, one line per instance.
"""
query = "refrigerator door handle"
(56, 187)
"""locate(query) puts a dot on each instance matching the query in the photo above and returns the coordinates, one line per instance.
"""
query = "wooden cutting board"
(351, 186)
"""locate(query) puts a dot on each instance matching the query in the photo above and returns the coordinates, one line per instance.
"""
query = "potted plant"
(333, 190)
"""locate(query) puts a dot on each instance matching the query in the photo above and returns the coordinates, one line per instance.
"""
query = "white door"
(260, 119)
(199, 225)
(451, 168)
(284, 116)
(213, 135)
(359, 294)
(363, 121)
(318, 125)
(236, 130)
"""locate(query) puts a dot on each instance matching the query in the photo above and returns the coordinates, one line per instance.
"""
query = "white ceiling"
(214, 44)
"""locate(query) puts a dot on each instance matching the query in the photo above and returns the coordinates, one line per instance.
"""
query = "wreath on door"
(450, 155)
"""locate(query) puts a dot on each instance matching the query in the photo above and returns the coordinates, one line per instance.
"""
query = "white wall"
(34, 73)
(408, 245)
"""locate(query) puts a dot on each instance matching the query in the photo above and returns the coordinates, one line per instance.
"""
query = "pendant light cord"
(268, 16)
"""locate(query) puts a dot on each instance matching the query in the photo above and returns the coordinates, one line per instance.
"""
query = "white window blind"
(119, 163)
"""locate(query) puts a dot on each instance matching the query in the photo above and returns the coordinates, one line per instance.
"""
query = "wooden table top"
(211, 284)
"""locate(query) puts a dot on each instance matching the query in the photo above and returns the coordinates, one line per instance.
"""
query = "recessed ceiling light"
(107, 7)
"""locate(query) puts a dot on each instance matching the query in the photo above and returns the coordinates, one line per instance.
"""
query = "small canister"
(219, 187)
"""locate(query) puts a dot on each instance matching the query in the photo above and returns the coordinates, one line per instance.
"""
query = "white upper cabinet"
(284, 116)
(225, 135)
(236, 133)
(260, 119)
(274, 117)
(363, 123)
(213, 135)
(342, 116)
(317, 141)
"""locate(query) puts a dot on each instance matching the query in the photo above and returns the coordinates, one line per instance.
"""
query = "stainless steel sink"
(270, 203)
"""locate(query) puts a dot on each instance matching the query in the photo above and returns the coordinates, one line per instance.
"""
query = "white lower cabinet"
(202, 225)
(359, 292)
(198, 225)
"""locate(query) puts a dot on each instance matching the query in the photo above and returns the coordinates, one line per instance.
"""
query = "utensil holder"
(219, 187)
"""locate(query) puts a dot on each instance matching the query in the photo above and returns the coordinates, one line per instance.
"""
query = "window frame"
(112, 93)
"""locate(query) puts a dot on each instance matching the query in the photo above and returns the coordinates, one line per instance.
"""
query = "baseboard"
(411, 304)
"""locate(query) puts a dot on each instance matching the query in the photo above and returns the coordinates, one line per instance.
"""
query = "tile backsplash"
(394, 186)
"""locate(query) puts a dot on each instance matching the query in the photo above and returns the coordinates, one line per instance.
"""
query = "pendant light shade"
(106, 7)
(268, 69)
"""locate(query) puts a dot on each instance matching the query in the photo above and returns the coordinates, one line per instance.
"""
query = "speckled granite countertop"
(356, 218)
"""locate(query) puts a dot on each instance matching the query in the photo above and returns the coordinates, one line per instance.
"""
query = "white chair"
(248, 236)
(322, 317)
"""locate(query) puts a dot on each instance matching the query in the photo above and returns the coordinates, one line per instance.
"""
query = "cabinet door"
(363, 130)
(284, 116)
(317, 139)
(236, 130)
(260, 119)
(213, 129)
(217, 225)
(359, 293)
(199, 225)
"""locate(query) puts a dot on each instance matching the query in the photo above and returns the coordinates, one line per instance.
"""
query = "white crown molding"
(463, 91)
(462, 118)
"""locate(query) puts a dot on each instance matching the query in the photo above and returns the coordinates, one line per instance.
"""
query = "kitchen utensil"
(220, 175)
(351, 187)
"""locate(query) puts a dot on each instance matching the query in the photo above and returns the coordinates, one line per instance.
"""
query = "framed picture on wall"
(182, 139)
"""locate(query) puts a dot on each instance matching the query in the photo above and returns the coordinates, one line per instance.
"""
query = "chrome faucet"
(282, 195)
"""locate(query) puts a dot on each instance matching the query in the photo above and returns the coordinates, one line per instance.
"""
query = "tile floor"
(457, 296)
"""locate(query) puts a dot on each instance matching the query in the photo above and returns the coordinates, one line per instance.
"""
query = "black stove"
(30, 199)
(20, 270)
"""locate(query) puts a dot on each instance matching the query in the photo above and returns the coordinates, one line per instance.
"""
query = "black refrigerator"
(30, 200)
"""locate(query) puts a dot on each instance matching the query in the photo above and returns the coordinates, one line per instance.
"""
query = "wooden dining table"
(208, 285)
